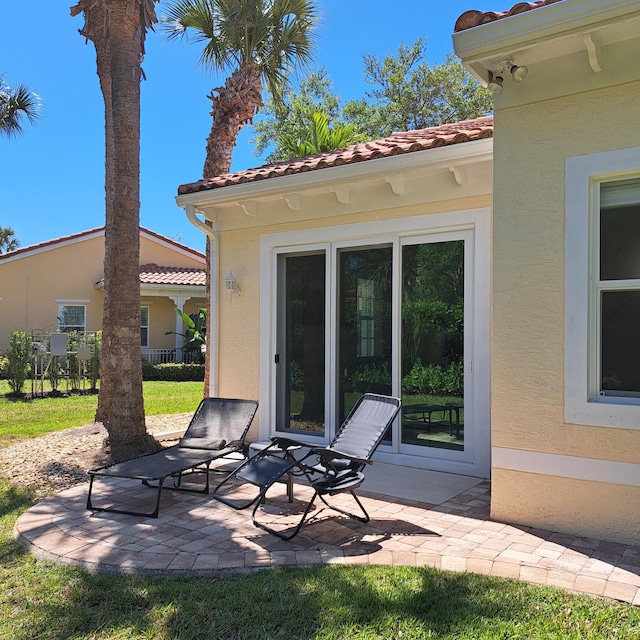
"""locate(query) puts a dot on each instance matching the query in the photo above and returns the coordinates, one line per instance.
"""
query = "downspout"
(213, 323)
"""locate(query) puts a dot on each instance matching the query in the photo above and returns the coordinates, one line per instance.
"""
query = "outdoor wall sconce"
(231, 285)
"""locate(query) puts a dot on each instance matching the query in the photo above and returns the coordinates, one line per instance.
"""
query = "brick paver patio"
(195, 535)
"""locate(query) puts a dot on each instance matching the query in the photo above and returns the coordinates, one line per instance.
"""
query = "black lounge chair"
(330, 470)
(218, 429)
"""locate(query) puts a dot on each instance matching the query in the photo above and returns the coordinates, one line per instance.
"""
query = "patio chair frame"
(340, 470)
(201, 444)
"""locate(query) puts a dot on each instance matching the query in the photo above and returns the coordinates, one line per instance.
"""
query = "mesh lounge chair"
(218, 428)
(335, 469)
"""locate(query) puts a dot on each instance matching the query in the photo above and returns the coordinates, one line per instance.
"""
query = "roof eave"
(481, 48)
(320, 180)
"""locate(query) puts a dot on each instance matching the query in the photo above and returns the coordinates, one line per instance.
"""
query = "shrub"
(4, 367)
(19, 356)
(171, 372)
(434, 380)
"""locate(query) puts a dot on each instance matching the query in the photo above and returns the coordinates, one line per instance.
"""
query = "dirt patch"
(60, 460)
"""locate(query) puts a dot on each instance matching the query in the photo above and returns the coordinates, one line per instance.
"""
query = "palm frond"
(15, 105)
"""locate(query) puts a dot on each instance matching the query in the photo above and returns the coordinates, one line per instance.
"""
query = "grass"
(47, 602)
(21, 418)
(42, 601)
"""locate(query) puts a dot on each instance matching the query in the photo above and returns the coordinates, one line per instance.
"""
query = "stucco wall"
(531, 145)
(30, 285)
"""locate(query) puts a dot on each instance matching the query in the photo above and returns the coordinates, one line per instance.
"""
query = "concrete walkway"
(197, 536)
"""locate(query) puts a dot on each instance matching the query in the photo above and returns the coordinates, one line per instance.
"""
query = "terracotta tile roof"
(395, 144)
(181, 276)
(474, 18)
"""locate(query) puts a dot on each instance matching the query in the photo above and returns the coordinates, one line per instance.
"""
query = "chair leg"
(279, 534)
(151, 514)
(363, 518)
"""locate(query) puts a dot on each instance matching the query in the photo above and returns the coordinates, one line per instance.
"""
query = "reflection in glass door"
(433, 345)
(300, 357)
(364, 325)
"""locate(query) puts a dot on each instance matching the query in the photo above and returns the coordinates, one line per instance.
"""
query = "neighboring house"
(57, 286)
(506, 267)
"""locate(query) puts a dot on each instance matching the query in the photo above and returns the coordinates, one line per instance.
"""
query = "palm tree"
(259, 42)
(15, 105)
(319, 137)
(118, 28)
(8, 240)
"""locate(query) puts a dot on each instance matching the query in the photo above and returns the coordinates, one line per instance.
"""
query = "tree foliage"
(16, 105)
(318, 137)
(407, 93)
(8, 239)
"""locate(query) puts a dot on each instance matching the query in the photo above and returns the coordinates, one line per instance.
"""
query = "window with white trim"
(602, 289)
(144, 326)
(616, 288)
(72, 317)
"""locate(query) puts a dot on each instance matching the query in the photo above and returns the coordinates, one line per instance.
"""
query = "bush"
(171, 372)
(4, 367)
(434, 380)
(19, 356)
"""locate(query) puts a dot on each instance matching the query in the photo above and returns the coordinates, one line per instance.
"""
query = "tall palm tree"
(257, 42)
(15, 105)
(117, 29)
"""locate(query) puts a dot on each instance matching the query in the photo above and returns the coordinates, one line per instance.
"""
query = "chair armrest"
(327, 455)
(287, 443)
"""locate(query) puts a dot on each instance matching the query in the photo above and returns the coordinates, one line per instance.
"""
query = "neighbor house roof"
(83, 235)
(474, 18)
(181, 276)
(393, 145)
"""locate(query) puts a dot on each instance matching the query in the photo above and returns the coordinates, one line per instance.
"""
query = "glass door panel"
(364, 325)
(300, 358)
(432, 345)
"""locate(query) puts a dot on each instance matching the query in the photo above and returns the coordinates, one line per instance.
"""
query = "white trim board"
(574, 467)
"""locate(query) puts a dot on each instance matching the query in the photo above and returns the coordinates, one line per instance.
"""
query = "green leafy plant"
(434, 379)
(173, 372)
(19, 356)
(194, 334)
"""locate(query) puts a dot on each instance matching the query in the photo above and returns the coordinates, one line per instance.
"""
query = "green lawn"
(20, 418)
(42, 601)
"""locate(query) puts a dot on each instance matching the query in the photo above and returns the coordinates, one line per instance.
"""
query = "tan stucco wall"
(239, 330)
(565, 504)
(29, 286)
(531, 145)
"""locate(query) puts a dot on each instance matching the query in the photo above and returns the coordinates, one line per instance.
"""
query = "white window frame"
(72, 304)
(147, 327)
(476, 458)
(583, 404)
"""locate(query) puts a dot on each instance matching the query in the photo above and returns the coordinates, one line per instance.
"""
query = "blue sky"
(52, 178)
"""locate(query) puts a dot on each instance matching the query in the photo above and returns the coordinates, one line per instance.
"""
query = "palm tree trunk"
(115, 26)
(234, 106)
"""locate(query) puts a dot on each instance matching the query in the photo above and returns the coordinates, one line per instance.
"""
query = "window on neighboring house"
(602, 289)
(144, 326)
(71, 318)
(616, 288)
(366, 318)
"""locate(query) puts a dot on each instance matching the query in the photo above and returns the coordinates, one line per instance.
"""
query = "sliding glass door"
(432, 358)
(300, 353)
(392, 318)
